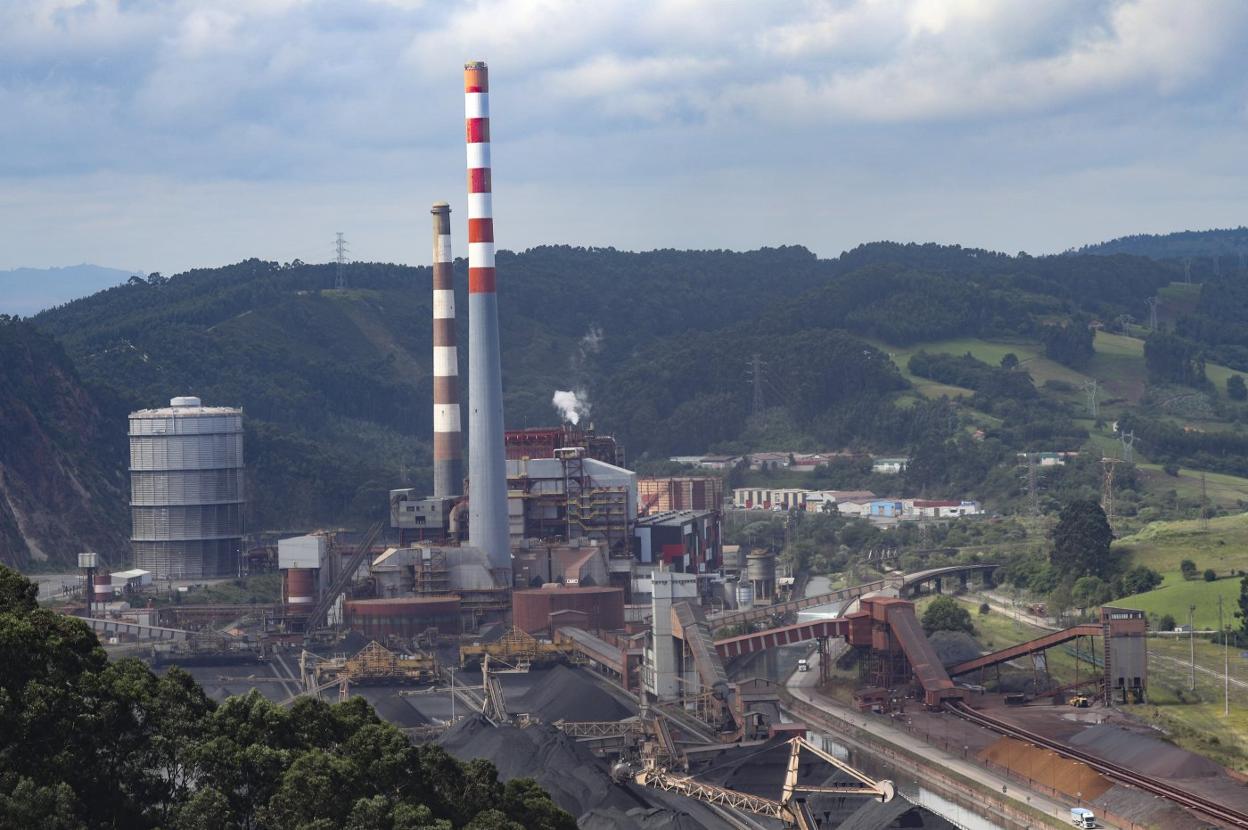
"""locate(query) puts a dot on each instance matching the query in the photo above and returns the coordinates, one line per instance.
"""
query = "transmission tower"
(1090, 388)
(1217, 265)
(756, 378)
(1128, 446)
(1187, 270)
(1031, 472)
(1108, 465)
(341, 249)
(1152, 313)
(1243, 263)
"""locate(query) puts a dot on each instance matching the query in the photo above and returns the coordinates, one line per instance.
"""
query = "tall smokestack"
(448, 456)
(487, 472)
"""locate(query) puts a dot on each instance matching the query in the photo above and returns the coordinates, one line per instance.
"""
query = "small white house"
(889, 466)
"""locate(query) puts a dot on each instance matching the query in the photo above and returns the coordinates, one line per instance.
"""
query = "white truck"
(803, 664)
(1082, 817)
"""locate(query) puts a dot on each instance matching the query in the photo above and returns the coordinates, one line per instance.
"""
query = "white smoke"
(572, 405)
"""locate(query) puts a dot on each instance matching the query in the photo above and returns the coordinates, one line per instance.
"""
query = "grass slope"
(1163, 546)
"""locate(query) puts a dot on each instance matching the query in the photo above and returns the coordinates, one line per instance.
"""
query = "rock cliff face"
(62, 457)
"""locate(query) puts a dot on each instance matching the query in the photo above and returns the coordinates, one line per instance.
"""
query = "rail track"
(1202, 806)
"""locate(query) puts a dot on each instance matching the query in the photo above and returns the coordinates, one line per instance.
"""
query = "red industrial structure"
(533, 609)
(406, 617)
(541, 442)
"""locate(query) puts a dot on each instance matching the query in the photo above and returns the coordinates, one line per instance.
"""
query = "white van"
(1082, 817)
(803, 665)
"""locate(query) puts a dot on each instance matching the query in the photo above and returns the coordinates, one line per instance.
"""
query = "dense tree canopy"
(1081, 542)
(947, 614)
(88, 743)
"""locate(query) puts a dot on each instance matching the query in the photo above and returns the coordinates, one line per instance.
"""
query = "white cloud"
(274, 100)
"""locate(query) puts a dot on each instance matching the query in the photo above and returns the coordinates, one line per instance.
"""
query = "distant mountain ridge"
(27, 291)
(1225, 243)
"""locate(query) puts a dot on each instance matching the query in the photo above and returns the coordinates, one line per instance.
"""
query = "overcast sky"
(169, 134)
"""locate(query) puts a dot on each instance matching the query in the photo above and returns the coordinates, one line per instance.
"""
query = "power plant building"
(186, 489)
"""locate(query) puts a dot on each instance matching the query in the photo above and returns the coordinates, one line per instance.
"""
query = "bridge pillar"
(964, 580)
(936, 585)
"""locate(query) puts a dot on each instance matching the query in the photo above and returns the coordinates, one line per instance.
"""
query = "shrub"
(1210, 575)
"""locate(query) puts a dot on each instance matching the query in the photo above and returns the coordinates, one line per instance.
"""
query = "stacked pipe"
(487, 475)
(448, 470)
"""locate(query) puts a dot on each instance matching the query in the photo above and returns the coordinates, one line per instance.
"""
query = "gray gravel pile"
(1143, 753)
(638, 818)
(567, 694)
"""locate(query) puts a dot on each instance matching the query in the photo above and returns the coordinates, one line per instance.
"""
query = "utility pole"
(1204, 504)
(756, 377)
(1226, 665)
(1191, 639)
(341, 249)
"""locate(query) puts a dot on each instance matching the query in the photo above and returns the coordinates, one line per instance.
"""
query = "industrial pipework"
(487, 471)
(448, 458)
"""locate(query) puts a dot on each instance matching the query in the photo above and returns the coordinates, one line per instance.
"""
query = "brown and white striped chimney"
(448, 456)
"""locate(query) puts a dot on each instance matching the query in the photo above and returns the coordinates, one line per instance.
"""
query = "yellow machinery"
(1080, 701)
(519, 648)
(790, 809)
(372, 665)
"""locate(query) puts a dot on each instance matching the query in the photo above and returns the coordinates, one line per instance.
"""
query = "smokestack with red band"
(448, 457)
(487, 471)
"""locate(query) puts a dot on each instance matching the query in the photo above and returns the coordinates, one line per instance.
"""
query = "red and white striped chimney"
(448, 459)
(487, 470)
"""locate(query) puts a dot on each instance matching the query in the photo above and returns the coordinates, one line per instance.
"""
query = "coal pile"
(1143, 753)
(576, 780)
(567, 694)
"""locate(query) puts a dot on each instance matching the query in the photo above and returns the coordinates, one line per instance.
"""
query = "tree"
(984, 609)
(1166, 623)
(1188, 569)
(89, 743)
(1089, 591)
(1236, 389)
(1242, 613)
(1081, 541)
(1009, 361)
(1211, 575)
(947, 614)
(1137, 580)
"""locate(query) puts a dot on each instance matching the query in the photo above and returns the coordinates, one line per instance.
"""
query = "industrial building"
(686, 541)
(544, 610)
(186, 489)
(659, 495)
(541, 442)
(570, 497)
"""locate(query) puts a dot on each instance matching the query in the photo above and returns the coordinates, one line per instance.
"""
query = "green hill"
(336, 383)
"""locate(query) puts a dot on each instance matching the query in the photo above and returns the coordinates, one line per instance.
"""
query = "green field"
(1221, 489)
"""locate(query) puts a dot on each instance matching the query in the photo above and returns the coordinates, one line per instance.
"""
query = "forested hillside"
(1225, 243)
(336, 383)
(61, 455)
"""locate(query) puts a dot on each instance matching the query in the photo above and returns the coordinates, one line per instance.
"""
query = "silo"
(300, 590)
(186, 489)
(102, 589)
(760, 569)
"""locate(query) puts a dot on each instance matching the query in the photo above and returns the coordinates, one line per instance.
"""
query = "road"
(802, 686)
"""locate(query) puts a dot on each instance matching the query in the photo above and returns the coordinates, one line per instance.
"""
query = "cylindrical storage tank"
(760, 569)
(102, 590)
(186, 489)
(745, 597)
(734, 558)
(300, 590)
(603, 607)
(402, 616)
